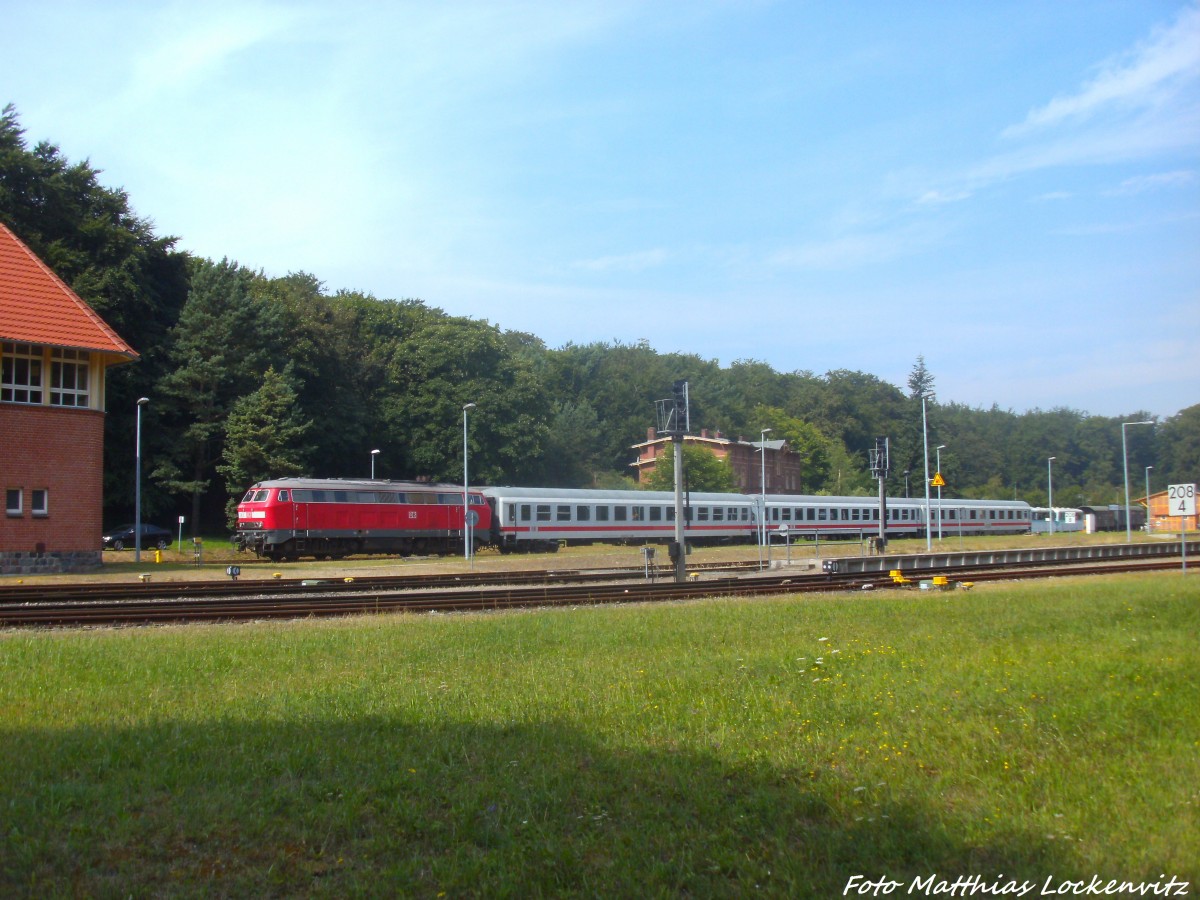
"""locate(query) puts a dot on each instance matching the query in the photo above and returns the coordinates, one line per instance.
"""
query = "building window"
(40, 502)
(21, 381)
(12, 501)
(69, 377)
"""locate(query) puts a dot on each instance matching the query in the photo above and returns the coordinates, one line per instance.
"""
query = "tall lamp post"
(374, 453)
(925, 439)
(1125, 473)
(762, 485)
(1050, 489)
(938, 451)
(137, 484)
(467, 524)
(1148, 468)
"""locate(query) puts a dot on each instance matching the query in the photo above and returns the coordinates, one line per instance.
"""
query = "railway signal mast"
(879, 468)
(674, 419)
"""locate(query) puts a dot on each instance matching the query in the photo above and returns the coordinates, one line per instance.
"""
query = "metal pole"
(467, 528)
(374, 453)
(939, 450)
(137, 488)
(1148, 468)
(680, 534)
(925, 436)
(1050, 489)
(1125, 473)
(762, 485)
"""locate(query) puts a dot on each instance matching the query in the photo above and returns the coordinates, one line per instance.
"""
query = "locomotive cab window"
(283, 497)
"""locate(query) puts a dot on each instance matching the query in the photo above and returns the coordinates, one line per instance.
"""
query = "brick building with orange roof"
(54, 351)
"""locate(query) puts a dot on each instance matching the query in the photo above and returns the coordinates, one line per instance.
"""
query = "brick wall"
(60, 450)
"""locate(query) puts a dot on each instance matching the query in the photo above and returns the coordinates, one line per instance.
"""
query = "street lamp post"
(467, 525)
(938, 451)
(374, 453)
(1125, 473)
(1148, 468)
(1050, 489)
(762, 485)
(925, 439)
(137, 484)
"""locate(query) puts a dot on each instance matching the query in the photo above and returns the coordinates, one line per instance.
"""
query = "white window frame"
(19, 509)
(69, 379)
(43, 509)
(15, 389)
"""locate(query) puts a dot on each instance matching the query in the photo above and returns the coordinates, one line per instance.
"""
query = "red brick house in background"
(54, 351)
(783, 465)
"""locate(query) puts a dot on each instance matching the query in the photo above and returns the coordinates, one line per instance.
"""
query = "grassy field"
(714, 748)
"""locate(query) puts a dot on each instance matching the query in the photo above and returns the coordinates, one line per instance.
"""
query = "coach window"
(620, 513)
(718, 514)
(12, 502)
(701, 513)
(822, 514)
(670, 514)
(40, 502)
(656, 514)
(562, 514)
(526, 512)
(583, 513)
(543, 512)
(601, 513)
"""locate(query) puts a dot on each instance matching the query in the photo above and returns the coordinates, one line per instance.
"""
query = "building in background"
(54, 352)
(1158, 519)
(783, 469)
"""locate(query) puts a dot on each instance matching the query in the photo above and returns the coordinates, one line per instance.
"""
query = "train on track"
(287, 518)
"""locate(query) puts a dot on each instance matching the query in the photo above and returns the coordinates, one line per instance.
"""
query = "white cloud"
(1139, 79)
(628, 262)
(1141, 183)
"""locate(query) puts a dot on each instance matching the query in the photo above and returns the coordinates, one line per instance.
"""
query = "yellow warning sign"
(938, 480)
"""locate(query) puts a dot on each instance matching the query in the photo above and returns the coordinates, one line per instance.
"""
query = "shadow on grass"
(376, 806)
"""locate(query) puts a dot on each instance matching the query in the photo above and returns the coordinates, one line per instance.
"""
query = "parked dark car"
(152, 536)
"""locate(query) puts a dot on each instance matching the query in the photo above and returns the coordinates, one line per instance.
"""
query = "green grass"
(715, 748)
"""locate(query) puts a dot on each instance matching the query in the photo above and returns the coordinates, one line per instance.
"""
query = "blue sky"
(1010, 189)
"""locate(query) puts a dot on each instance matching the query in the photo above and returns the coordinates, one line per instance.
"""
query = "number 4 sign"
(1181, 499)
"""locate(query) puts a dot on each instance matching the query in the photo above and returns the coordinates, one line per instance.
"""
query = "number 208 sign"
(1181, 499)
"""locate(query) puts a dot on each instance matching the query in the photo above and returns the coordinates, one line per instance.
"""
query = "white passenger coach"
(542, 518)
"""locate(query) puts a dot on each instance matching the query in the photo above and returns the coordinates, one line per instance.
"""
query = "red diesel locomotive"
(287, 518)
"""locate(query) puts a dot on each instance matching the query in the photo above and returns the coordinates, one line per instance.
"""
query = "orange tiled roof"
(38, 308)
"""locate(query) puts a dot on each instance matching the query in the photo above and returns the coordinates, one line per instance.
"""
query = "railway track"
(267, 600)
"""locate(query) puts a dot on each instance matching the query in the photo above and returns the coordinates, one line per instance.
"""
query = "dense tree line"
(251, 376)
